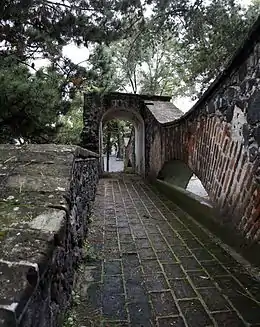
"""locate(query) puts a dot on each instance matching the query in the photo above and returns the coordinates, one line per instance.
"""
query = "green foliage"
(100, 75)
(161, 71)
(70, 319)
(116, 130)
(29, 104)
(72, 123)
(33, 27)
(253, 11)
(89, 253)
(149, 66)
(182, 47)
(211, 39)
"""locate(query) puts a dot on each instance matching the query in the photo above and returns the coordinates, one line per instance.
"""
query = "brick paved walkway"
(157, 267)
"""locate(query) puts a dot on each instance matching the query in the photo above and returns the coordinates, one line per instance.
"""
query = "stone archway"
(136, 119)
(147, 112)
(99, 109)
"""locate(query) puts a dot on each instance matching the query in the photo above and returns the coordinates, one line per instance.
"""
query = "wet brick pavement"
(158, 267)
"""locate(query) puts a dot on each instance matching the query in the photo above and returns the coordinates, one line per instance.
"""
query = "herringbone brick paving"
(157, 267)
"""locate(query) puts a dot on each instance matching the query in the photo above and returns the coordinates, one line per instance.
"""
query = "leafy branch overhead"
(182, 47)
(41, 27)
(30, 104)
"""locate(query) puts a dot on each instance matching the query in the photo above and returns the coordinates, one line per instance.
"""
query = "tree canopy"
(41, 27)
(30, 104)
(181, 52)
(165, 47)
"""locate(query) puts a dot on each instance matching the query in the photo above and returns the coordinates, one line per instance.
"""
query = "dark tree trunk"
(108, 145)
(120, 142)
(119, 150)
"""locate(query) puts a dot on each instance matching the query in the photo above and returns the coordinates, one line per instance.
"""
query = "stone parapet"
(46, 196)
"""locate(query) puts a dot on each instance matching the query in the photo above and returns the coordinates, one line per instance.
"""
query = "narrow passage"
(156, 266)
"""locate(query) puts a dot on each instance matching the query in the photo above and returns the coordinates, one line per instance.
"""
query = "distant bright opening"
(195, 186)
(116, 142)
(122, 140)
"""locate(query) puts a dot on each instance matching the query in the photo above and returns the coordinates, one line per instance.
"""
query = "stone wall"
(219, 139)
(147, 112)
(153, 145)
(95, 106)
(46, 198)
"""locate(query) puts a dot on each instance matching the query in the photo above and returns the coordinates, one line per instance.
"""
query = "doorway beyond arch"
(136, 119)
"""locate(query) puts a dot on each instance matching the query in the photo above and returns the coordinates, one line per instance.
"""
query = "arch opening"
(178, 173)
(195, 186)
(132, 158)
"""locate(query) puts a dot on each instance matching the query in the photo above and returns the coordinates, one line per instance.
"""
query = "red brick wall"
(223, 166)
(219, 139)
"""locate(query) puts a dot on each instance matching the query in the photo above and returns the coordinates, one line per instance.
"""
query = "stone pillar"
(92, 115)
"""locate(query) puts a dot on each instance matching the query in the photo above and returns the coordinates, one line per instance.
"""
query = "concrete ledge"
(81, 152)
(205, 214)
(193, 204)
(46, 196)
